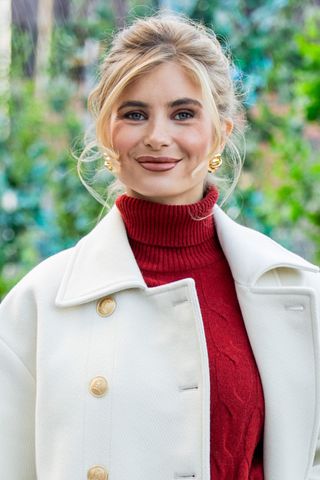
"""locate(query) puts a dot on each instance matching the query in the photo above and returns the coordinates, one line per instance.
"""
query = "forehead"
(167, 81)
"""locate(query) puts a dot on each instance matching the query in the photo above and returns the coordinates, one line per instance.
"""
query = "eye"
(184, 115)
(134, 116)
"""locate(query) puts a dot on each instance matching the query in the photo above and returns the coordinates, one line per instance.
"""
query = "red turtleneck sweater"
(170, 244)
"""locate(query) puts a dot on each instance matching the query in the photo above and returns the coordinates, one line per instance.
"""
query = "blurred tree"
(121, 11)
(307, 78)
(44, 28)
(183, 6)
(283, 153)
(24, 24)
(5, 56)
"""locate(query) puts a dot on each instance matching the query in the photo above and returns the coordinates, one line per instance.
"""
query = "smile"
(158, 167)
(158, 164)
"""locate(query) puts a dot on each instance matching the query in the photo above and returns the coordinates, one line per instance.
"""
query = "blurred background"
(49, 53)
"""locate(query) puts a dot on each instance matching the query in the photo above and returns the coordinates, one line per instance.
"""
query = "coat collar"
(250, 254)
(103, 262)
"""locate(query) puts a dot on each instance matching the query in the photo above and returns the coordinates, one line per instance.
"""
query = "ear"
(227, 128)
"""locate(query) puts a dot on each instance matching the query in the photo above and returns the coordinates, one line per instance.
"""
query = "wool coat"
(104, 378)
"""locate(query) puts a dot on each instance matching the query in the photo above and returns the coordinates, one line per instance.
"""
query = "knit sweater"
(171, 242)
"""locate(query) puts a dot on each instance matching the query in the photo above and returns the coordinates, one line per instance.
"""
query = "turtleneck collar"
(170, 238)
(162, 225)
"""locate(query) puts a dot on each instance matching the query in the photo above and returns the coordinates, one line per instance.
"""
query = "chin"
(160, 195)
(161, 188)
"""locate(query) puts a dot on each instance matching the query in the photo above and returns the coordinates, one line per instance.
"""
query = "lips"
(158, 164)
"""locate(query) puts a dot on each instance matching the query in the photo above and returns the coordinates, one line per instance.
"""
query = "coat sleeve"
(315, 470)
(18, 381)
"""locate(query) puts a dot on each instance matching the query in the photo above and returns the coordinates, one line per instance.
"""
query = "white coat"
(126, 396)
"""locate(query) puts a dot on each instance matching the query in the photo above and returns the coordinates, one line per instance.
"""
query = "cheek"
(123, 139)
(199, 142)
(121, 145)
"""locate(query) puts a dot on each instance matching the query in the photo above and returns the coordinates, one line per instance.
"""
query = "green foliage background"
(276, 49)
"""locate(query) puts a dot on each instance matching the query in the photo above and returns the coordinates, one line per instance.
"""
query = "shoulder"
(100, 246)
(252, 255)
(45, 277)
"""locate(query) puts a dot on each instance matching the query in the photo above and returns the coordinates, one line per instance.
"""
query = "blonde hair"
(147, 43)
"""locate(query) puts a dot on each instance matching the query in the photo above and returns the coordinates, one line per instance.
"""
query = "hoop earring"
(214, 163)
(107, 162)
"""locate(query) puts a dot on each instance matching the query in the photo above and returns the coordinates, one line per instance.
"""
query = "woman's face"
(163, 132)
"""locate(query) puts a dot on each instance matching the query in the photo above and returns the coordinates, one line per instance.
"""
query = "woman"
(170, 342)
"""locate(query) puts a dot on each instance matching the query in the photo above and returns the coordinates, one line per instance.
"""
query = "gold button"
(106, 306)
(97, 473)
(98, 386)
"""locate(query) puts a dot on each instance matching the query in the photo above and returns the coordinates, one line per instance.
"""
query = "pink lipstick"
(158, 164)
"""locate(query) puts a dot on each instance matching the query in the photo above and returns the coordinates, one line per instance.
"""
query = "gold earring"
(214, 163)
(107, 162)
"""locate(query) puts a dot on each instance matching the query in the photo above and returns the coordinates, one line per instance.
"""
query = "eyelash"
(190, 113)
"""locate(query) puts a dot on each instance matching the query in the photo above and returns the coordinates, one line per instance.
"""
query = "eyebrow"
(175, 103)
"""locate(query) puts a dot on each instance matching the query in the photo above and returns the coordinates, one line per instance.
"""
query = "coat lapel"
(250, 254)
(100, 264)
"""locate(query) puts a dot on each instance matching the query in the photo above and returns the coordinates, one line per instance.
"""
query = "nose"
(157, 134)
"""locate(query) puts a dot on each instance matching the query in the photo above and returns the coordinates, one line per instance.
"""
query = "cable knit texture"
(171, 242)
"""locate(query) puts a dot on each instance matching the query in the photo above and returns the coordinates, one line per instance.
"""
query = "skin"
(163, 147)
